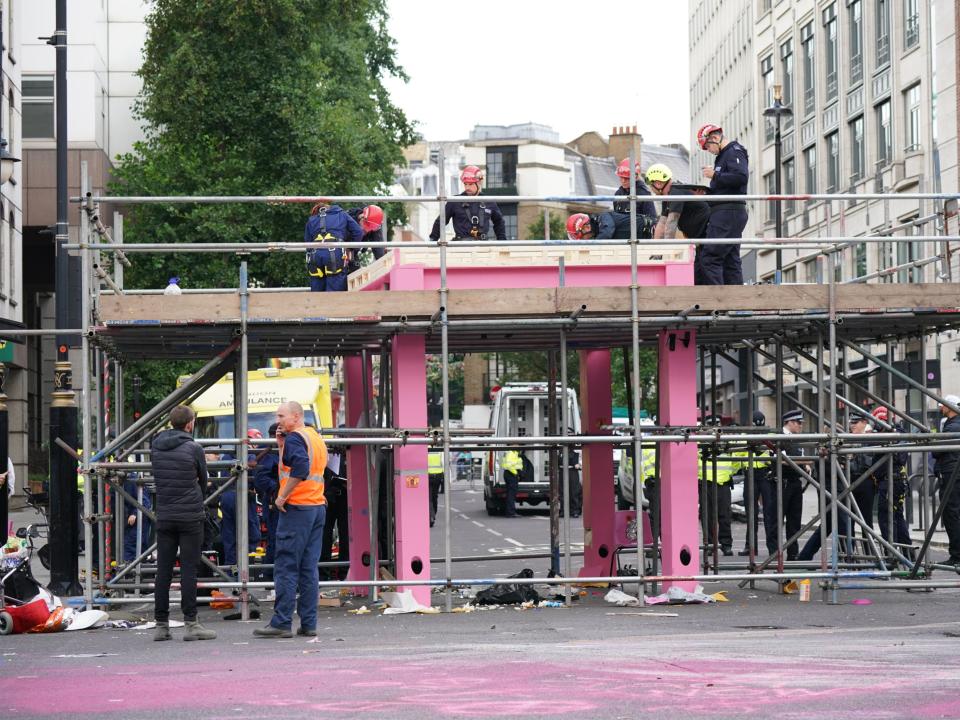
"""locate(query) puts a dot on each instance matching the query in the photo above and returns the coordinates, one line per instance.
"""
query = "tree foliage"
(256, 97)
(558, 227)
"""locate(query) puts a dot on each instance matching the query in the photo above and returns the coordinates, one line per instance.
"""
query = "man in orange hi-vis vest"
(302, 509)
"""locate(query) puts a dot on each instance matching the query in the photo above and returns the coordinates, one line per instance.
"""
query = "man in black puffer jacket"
(180, 473)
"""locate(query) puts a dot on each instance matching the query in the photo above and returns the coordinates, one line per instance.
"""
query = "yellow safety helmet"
(659, 173)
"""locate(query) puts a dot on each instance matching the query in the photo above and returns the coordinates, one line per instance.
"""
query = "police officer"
(370, 220)
(792, 481)
(690, 218)
(760, 455)
(130, 533)
(471, 219)
(607, 226)
(720, 264)
(623, 206)
(512, 468)
(719, 471)
(946, 469)
(435, 471)
(327, 266)
(228, 511)
(901, 533)
(864, 491)
(266, 481)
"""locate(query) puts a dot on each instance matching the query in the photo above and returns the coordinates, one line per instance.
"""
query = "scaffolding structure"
(813, 324)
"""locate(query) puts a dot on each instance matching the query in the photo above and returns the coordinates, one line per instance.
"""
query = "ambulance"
(266, 390)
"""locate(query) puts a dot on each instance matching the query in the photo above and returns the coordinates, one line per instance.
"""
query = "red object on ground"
(28, 616)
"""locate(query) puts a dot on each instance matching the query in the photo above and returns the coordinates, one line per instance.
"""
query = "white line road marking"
(453, 509)
(465, 517)
(478, 524)
(511, 540)
(493, 532)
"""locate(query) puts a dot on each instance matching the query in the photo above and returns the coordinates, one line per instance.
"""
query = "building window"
(810, 271)
(37, 107)
(911, 104)
(770, 183)
(911, 23)
(884, 134)
(502, 168)
(830, 50)
(786, 68)
(858, 160)
(833, 162)
(789, 276)
(855, 13)
(908, 253)
(810, 170)
(860, 260)
(509, 212)
(789, 186)
(883, 33)
(885, 260)
(809, 69)
(766, 77)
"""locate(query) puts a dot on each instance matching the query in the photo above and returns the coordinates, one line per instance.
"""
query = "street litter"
(861, 601)
(362, 610)
(645, 614)
(509, 594)
(620, 598)
(402, 603)
(152, 624)
(676, 596)
(551, 604)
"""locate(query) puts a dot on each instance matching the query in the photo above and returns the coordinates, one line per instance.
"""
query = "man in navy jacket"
(720, 264)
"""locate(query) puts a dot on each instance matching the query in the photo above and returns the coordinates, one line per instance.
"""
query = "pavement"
(872, 654)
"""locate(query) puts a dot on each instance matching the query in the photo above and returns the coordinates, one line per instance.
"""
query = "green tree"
(558, 227)
(254, 97)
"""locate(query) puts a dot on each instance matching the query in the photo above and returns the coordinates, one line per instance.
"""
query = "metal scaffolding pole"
(445, 369)
(242, 468)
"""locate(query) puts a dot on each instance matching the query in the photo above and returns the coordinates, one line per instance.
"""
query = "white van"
(521, 409)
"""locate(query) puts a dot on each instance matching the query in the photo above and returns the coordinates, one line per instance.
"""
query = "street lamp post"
(777, 111)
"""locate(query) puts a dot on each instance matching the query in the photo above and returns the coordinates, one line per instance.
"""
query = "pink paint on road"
(582, 686)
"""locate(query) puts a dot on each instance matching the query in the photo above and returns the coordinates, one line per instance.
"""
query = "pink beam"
(680, 526)
(358, 498)
(596, 410)
(410, 464)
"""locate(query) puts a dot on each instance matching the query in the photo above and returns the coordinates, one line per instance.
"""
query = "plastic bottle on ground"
(173, 287)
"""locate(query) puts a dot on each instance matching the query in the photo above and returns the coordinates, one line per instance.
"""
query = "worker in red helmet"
(471, 219)
(729, 174)
(623, 206)
(370, 219)
(607, 226)
(890, 504)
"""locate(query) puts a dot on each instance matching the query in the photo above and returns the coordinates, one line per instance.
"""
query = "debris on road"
(621, 599)
(403, 603)
(677, 596)
(511, 593)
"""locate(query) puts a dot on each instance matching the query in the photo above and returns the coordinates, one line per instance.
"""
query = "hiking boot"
(196, 631)
(273, 632)
(307, 632)
(162, 632)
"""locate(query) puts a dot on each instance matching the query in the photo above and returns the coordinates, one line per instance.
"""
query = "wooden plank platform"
(319, 323)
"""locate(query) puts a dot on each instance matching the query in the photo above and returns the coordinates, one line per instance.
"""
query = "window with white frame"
(832, 158)
(37, 106)
(858, 159)
(911, 107)
(786, 76)
(766, 81)
(808, 50)
(855, 24)
(884, 134)
(911, 23)
(830, 51)
(882, 32)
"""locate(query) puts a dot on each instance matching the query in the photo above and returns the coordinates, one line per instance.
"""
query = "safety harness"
(336, 263)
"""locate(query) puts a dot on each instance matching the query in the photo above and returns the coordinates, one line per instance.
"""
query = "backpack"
(337, 261)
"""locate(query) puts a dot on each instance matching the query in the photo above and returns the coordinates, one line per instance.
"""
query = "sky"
(572, 65)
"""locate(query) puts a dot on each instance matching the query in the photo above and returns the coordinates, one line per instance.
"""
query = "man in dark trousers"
(180, 474)
(266, 481)
(335, 493)
(472, 219)
(946, 470)
(130, 510)
(792, 481)
(720, 264)
(327, 266)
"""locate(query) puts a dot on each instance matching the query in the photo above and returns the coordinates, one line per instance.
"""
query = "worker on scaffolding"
(718, 469)
(607, 226)
(895, 466)
(370, 220)
(623, 206)
(690, 218)
(471, 219)
(729, 174)
(946, 470)
(327, 266)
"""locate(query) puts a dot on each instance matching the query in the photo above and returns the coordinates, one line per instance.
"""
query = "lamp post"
(777, 111)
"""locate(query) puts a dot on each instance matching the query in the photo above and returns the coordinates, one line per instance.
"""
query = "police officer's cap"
(712, 420)
(759, 419)
(857, 416)
(793, 415)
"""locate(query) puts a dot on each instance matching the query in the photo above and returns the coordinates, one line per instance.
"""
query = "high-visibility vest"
(726, 469)
(435, 463)
(648, 468)
(761, 460)
(310, 490)
(512, 462)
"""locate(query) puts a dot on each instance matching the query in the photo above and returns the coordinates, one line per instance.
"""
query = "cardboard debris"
(329, 602)
(402, 603)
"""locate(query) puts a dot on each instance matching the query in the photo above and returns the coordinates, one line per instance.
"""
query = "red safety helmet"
(705, 132)
(578, 225)
(881, 413)
(623, 169)
(254, 434)
(471, 174)
(371, 218)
